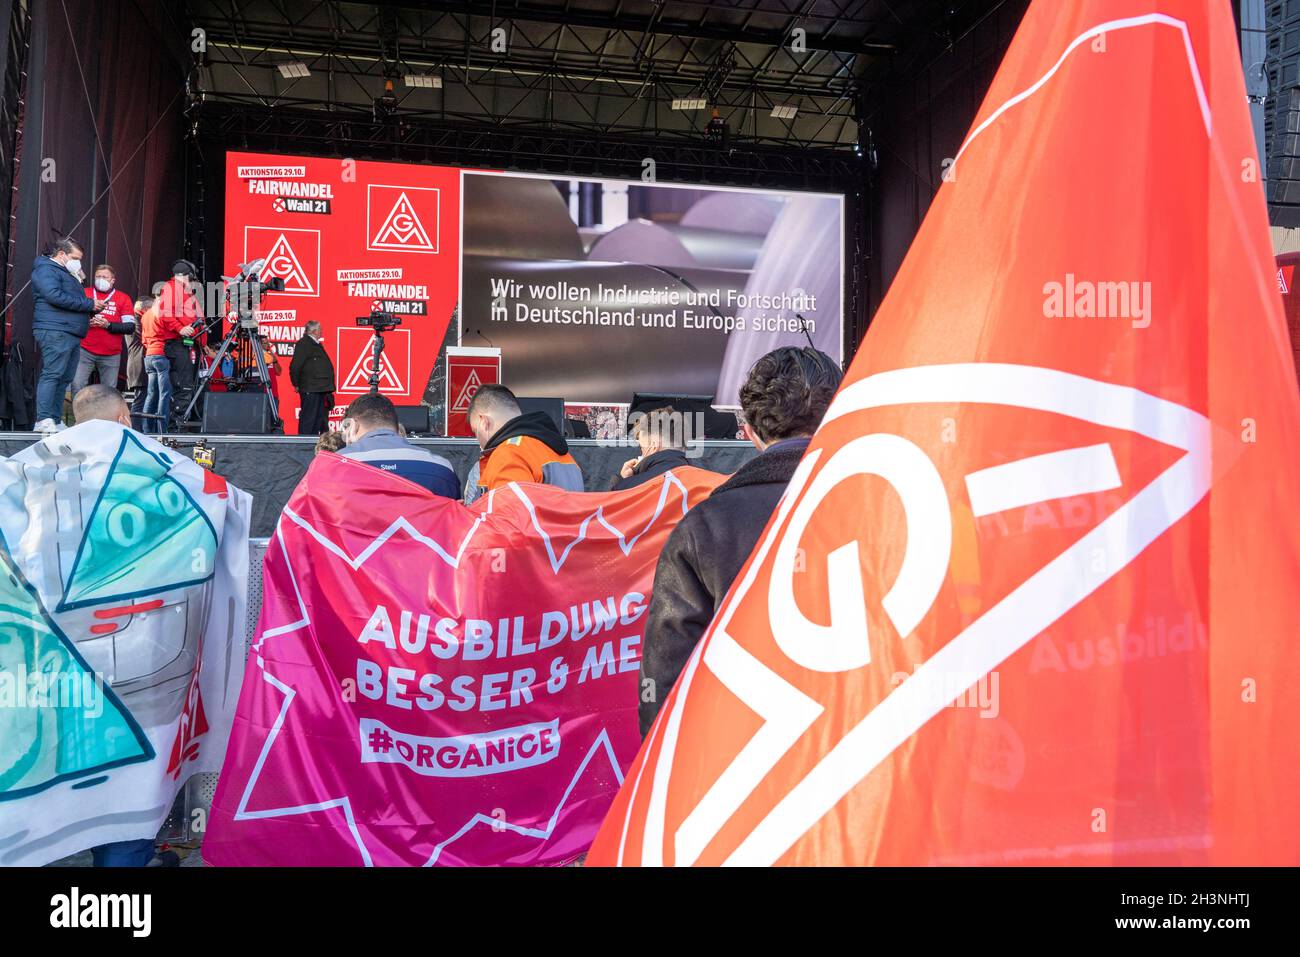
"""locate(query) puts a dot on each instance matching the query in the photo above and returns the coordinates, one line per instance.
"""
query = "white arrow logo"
(358, 379)
(472, 382)
(402, 229)
(1027, 611)
(282, 261)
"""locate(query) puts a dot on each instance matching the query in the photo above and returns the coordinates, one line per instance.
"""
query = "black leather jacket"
(701, 559)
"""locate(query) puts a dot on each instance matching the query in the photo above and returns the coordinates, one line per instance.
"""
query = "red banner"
(436, 684)
(347, 237)
(1031, 596)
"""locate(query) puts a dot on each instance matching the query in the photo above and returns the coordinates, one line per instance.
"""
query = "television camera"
(241, 343)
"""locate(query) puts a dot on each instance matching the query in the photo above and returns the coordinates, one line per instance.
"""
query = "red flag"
(1032, 595)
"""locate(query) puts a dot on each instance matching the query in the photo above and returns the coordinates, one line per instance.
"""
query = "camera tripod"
(244, 348)
(376, 350)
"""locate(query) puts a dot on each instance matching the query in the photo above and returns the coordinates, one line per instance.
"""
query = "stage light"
(293, 70)
(693, 104)
(424, 81)
(784, 112)
(716, 131)
(386, 102)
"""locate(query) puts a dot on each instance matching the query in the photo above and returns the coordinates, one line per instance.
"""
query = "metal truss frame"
(575, 92)
(430, 140)
(563, 68)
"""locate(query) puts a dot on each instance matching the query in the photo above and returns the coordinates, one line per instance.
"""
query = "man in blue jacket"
(370, 430)
(59, 323)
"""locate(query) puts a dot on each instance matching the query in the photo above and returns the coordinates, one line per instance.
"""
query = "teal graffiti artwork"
(146, 534)
(58, 720)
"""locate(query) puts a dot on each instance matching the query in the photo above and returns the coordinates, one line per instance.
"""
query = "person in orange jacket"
(517, 446)
(160, 332)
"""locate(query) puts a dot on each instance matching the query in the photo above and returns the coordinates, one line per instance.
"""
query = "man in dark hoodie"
(60, 319)
(784, 399)
(660, 434)
(517, 446)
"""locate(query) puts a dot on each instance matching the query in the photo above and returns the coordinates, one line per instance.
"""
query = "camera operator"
(312, 375)
(164, 326)
(179, 318)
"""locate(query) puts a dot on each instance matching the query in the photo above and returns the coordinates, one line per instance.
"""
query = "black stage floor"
(269, 466)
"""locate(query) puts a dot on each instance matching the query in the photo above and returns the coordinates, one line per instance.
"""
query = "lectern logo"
(472, 383)
(291, 254)
(396, 218)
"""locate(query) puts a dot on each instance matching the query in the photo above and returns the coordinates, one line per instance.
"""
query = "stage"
(269, 466)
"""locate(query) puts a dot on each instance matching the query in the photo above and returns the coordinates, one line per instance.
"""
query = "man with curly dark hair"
(783, 400)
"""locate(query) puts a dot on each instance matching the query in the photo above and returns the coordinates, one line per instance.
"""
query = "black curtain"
(925, 118)
(103, 151)
(16, 22)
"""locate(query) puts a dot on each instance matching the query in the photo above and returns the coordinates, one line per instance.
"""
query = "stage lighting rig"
(716, 132)
(386, 102)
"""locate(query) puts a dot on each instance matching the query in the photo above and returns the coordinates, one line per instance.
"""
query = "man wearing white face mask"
(60, 319)
(102, 348)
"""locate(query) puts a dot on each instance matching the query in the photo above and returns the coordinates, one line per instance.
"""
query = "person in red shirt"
(101, 350)
(179, 309)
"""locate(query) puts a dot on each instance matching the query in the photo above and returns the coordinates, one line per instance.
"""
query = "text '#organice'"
(396, 636)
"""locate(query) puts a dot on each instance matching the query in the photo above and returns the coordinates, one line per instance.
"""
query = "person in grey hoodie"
(60, 320)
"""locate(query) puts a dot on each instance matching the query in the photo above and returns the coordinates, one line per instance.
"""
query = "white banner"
(123, 580)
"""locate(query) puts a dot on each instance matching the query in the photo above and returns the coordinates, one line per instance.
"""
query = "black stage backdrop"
(102, 144)
(921, 122)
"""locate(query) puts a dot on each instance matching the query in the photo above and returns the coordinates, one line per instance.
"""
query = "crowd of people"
(83, 331)
(783, 401)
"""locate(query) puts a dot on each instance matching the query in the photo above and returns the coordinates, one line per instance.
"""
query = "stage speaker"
(1286, 191)
(717, 425)
(236, 413)
(414, 418)
(551, 406)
